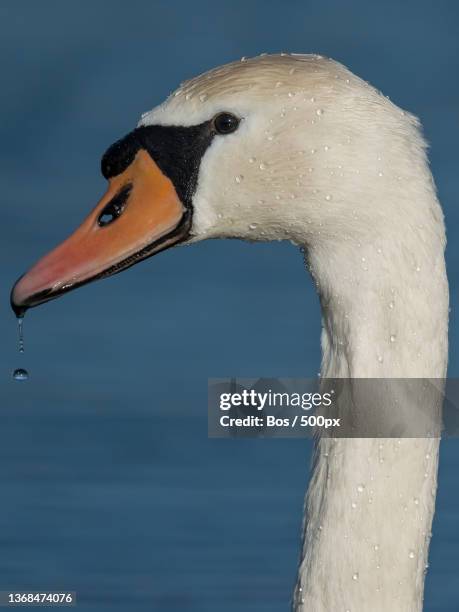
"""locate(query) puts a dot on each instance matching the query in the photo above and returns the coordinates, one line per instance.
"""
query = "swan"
(296, 147)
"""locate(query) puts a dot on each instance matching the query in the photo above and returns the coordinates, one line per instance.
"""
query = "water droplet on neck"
(319, 112)
(20, 374)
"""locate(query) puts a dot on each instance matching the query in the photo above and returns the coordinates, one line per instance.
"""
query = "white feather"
(323, 159)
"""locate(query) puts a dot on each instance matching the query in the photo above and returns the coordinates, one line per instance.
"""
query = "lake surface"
(110, 486)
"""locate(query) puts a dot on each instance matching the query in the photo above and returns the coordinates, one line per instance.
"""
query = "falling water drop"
(20, 374)
(21, 333)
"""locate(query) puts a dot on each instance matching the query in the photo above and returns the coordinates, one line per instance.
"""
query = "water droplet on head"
(252, 159)
(262, 166)
(252, 226)
(376, 547)
(239, 178)
(360, 488)
(328, 197)
(203, 97)
(20, 374)
(391, 305)
(355, 576)
(411, 554)
(393, 337)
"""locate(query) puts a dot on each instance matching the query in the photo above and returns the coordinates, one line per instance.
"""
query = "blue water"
(109, 485)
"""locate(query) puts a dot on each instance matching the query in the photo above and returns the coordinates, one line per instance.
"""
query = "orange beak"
(139, 215)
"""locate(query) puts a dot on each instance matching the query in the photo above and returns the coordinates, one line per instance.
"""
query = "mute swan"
(295, 147)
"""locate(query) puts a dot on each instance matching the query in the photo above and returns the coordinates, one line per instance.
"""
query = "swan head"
(272, 148)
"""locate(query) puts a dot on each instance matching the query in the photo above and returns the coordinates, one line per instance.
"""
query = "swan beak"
(139, 215)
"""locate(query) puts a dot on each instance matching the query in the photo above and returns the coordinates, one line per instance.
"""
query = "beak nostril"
(115, 207)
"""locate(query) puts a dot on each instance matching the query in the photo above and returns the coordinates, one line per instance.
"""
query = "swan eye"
(115, 207)
(225, 123)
